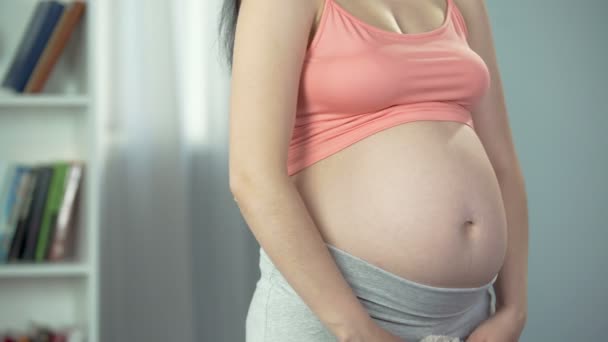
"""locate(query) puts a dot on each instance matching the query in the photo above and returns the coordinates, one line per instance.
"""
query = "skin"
(268, 57)
(492, 125)
(267, 63)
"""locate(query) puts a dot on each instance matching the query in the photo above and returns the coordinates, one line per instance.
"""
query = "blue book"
(8, 206)
(26, 42)
(7, 171)
(26, 192)
(37, 35)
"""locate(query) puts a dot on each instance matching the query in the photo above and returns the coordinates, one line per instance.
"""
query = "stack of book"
(46, 35)
(38, 203)
(41, 333)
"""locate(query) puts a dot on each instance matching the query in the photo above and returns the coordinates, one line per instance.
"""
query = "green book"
(53, 203)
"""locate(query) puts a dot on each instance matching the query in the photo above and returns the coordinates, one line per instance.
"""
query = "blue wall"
(553, 58)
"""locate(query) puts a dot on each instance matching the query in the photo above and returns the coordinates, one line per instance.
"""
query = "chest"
(356, 77)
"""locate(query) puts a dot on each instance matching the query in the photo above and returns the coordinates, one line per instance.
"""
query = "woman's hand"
(505, 325)
(370, 332)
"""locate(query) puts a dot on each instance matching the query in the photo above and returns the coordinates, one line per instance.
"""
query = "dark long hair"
(227, 26)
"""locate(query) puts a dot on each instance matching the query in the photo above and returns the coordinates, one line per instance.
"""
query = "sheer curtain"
(177, 261)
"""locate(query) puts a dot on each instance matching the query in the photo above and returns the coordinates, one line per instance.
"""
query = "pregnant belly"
(420, 200)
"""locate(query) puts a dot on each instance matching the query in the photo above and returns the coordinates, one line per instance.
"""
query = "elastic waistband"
(386, 290)
(350, 260)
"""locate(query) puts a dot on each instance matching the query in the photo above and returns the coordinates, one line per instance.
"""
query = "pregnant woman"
(372, 158)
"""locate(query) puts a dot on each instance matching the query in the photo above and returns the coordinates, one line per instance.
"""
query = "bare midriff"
(420, 200)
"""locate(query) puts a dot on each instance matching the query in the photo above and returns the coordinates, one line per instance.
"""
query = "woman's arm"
(492, 127)
(270, 43)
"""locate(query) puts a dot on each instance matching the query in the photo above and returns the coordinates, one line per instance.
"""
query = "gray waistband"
(384, 290)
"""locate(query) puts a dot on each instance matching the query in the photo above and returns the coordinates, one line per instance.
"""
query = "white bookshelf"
(44, 271)
(43, 100)
(58, 124)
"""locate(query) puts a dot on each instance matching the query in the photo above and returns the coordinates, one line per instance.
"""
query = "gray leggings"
(407, 309)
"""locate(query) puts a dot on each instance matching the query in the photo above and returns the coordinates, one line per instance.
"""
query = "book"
(25, 60)
(27, 40)
(38, 332)
(59, 337)
(8, 184)
(51, 210)
(45, 174)
(6, 178)
(23, 178)
(18, 239)
(59, 39)
(64, 228)
(40, 223)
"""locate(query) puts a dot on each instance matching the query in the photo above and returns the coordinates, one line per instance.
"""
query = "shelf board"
(48, 270)
(44, 101)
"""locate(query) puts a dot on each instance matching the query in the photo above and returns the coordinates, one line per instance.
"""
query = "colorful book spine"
(64, 229)
(61, 35)
(22, 180)
(37, 210)
(25, 218)
(51, 211)
(25, 61)
(38, 207)
(26, 43)
(8, 188)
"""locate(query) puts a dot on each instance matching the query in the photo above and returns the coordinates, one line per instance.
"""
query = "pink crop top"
(358, 79)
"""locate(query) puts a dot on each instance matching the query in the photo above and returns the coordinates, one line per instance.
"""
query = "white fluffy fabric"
(440, 338)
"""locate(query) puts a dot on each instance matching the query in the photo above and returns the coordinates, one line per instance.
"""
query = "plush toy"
(440, 338)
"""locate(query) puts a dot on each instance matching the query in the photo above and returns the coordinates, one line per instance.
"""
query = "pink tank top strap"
(326, 5)
(459, 19)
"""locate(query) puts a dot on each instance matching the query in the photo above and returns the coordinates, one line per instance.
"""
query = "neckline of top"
(399, 35)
